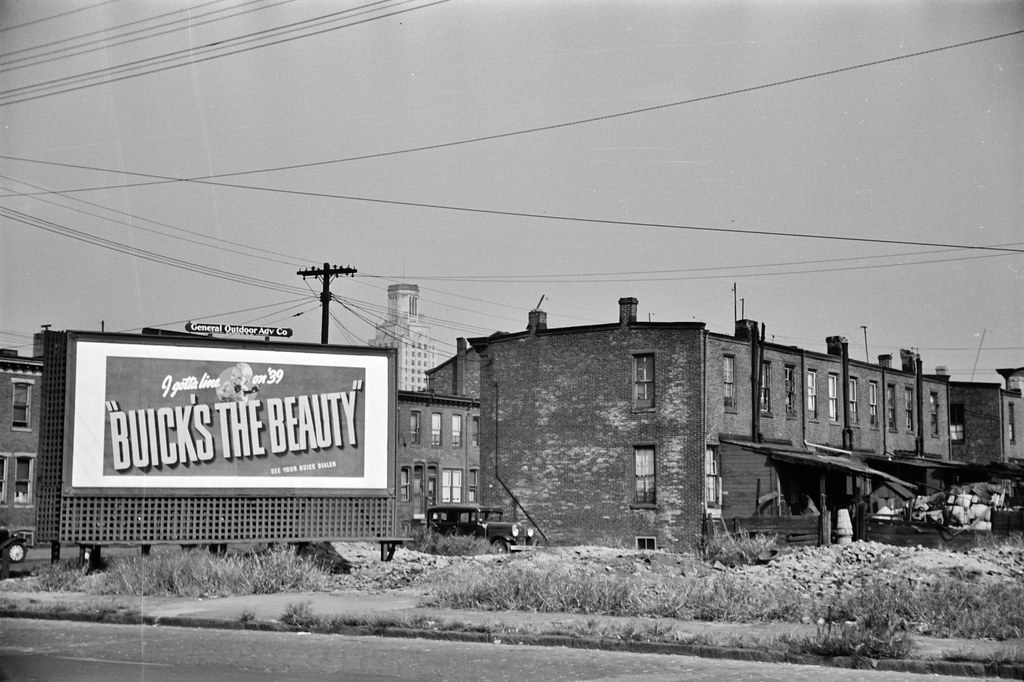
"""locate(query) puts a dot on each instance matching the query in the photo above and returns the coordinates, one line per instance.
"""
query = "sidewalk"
(397, 614)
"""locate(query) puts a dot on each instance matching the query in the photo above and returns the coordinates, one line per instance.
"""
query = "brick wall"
(559, 428)
(19, 443)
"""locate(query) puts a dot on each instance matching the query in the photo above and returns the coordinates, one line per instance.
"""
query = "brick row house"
(640, 431)
(20, 384)
(438, 454)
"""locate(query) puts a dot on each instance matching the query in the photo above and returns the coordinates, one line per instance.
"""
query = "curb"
(1013, 671)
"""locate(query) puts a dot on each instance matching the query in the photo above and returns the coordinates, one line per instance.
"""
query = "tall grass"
(427, 541)
(191, 574)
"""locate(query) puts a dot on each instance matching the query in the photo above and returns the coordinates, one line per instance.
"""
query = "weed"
(738, 549)
(301, 616)
(429, 542)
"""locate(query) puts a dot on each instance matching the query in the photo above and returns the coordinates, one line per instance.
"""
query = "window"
(812, 393)
(431, 484)
(873, 402)
(21, 405)
(644, 457)
(23, 480)
(790, 380)
(475, 431)
(414, 427)
(472, 484)
(933, 412)
(956, 421)
(766, 387)
(643, 380)
(833, 397)
(1011, 422)
(3, 481)
(890, 407)
(729, 380)
(435, 428)
(451, 485)
(712, 478)
(403, 484)
(854, 411)
(908, 407)
(646, 543)
(456, 430)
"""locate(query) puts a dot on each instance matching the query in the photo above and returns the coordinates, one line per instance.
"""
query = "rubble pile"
(814, 571)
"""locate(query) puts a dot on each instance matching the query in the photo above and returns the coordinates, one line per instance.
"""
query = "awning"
(820, 460)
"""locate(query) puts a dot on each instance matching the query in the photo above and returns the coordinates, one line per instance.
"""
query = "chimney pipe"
(627, 311)
(538, 321)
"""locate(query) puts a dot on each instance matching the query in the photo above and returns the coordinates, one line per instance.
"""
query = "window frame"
(436, 437)
(908, 407)
(644, 386)
(812, 393)
(873, 403)
(789, 379)
(472, 484)
(853, 396)
(712, 478)
(415, 423)
(3, 480)
(451, 486)
(27, 385)
(890, 407)
(729, 381)
(456, 437)
(645, 482)
(27, 480)
(404, 484)
(957, 422)
(766, 387)
(833, 397)
(1011, 422)
(933, 412)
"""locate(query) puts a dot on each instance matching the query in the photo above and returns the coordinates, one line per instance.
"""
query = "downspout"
(919, 381)
(755, 383)
(847, 431)
(883, 423)
(803, 395)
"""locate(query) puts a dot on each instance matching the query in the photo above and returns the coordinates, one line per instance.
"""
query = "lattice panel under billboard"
(105, 520)
(50, 460)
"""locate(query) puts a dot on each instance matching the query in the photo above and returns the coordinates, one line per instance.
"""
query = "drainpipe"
(919, 381)
(755, 384)
(847, 431)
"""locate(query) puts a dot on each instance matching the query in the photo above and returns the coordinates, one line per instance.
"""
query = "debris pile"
(967, 506)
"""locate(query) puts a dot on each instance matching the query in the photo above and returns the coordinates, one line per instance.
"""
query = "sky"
(845, 168)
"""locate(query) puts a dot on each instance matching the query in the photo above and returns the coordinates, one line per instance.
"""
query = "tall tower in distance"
(403, 329)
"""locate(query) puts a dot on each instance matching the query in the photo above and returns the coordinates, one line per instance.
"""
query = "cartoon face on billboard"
(217, 417)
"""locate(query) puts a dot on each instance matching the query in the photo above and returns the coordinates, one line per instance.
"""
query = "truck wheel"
(16, 553)
(500, 546)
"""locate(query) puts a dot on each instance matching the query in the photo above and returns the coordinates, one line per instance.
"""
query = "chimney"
(538, 321)
(908, 359)
(460, 366)
(885, 361)
(746, 330)
(835, 344)
(8, 353)
(942, 371)
(627, 311)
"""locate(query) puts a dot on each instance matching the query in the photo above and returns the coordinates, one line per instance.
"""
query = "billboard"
(163, 414)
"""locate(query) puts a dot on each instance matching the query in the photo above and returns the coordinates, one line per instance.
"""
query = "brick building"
(438, 455)
(985, 420)
(639, 431)
(19, 440)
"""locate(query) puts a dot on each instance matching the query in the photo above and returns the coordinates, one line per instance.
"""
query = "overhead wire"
(110, 40)
(66, 84)
(55, 16)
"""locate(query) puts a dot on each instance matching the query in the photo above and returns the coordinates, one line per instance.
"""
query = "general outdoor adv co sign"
(149, 415)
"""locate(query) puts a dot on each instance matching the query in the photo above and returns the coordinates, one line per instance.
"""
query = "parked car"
(482, 522)
(12, 546)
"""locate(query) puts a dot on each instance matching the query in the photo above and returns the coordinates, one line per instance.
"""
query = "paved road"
(60, 650)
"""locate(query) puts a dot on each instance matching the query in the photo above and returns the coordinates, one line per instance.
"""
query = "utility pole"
(326, 273)
(867, 356)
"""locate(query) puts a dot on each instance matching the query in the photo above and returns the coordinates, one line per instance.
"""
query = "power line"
(512, 214)
(55, 16)
(76, 82)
